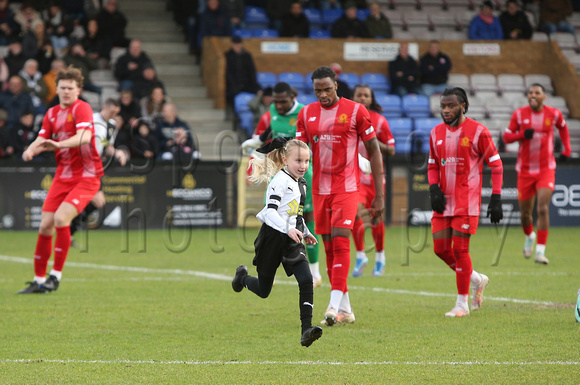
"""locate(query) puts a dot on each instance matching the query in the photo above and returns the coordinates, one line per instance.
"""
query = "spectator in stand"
(34, 85)
(152, 105)
(185, 13)
(404, 73)
(58, 26)
(553, 16)
(323, 4)
(295, 23)
(144, 144)
(22, 134)
(78, 58)
(148, 80)
(96, 47)
(33, 39)
(50, 80)
(4, 74)
(45, 56)
(276, 10)
(214, 21)
(9, 28)
(236, 11)
(343, 90)
(130, 110)
(260, 104)
(130, 66)
(240, 71)
(174, 136)
(15, 100)
(378, 24)
(485, 25)
(514, 22)
(434, 67)
(15, 58)
(349, 26)
(112, 24)
(6, 149)
(26, 16)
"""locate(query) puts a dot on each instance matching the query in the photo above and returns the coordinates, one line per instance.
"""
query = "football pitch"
(158, 308)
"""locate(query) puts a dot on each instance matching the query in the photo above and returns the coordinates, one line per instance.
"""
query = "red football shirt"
(333, 134)
(60, 124)
(456, 163)
(384, 135)
(537, 154)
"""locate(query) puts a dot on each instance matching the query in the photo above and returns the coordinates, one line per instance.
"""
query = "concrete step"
(173, 59)
(157, 36)
(184, 92)
(202, 115)
(165, 48)
(131, 7)
(184, 104)
(178, 69)
(181, 80)
(146, 26)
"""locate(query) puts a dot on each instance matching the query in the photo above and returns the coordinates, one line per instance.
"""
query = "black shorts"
(272, 248)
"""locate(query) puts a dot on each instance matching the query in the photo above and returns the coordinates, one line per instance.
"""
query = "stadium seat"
(241, 101)
(329, 16)
(425, 125)
(319, 34)
(256, 18)
(540, 36)
(405, 5)
(93, 99)
(483, 82)
(499, 108)
(395, 18)
(566, 41)
(306, 99)
(391, 105)
(350, 78)
(243, 33)
(510, 83)
(266, 79)
(362, 13)
(246, 122)
(401, 127)
(542, 79)
(459, 80)
(314, 16)
(378, 82)
(103, 78)
(416, 106)
(265, 33)
(417, 19)
(295, 79)
(403, 146)
(559, 103)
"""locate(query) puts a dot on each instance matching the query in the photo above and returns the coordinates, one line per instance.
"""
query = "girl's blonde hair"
(265, 168)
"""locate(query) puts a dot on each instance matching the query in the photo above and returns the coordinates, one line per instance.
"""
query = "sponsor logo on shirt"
(69, 118)
(312, 119)
(274, 118)
(464, 141)
(292, 122)
(347, 222)
(547, 122)
(465, 226)
(315, 138)
(343, 118)
(451, 160)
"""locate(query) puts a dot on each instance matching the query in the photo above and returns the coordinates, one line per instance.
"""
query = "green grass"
(169, 322)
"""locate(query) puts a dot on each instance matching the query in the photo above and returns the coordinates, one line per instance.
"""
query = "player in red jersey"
(533, 126)
(67, 129)
(364, 95)
(333, 126)
(458, 148)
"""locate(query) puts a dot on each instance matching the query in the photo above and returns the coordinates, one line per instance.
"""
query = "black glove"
(563, 158)
(529, 133)
(437, 199)
(494, 208)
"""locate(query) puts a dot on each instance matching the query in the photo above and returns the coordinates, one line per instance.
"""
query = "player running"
(333, 127)
(458, 148)
(533, 127)
(364, 95)
(67, 129)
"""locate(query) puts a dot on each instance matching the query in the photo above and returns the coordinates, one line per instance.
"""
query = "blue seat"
(295, 79)
(425, 125)
(241, 101)
(308, 83)
(416, 106)
(350, 78)
(362, 14)
(306, 99)
(329, 16)
(377, 81)
(256, 17)
(314, 16)
(403, 146)
(266, 79)
(420, 142)
(247, 122)
(265, 33)
(391, 105)
(243, 33)
(401, 127)
(319, 34)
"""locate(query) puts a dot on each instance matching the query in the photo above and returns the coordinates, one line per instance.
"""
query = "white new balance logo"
(312, 119)
(347, 222)
(465, 226)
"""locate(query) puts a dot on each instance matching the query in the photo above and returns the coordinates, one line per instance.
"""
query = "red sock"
(42, 254)
(379, 236)
(542, 237)
(463, 268)
(341, 266)
(442, 248)
(528, 229)
(329, 258)
(61, 246)
(358, 234)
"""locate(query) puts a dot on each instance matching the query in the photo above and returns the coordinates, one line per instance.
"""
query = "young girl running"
(283, 229)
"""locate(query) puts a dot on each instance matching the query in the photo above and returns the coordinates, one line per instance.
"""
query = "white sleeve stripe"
(493, 158)
(431, 161)
(84, 124)
(369, 130)
(508, 130)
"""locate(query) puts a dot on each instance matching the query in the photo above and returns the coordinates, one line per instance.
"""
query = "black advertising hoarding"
(565, 202)
(165, 196)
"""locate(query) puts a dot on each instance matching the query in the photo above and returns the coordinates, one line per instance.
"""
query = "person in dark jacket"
(378, 24)
(129, 67)
(15, 58)
(514, 22)
(349, 26)
(295, 23)
(434, 67)
(112, 24)
(240, 70)
(9, 28)
(144, 144)
(15, 100)
(404, 73)
(214, 21)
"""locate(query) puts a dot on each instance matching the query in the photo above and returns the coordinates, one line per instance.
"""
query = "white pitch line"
(222, 277)
(321, 363)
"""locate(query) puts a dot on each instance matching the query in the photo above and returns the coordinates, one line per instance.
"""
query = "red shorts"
(463, 223)
(528, 184)
(335, 210)
(366, 194)
(77, 192)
